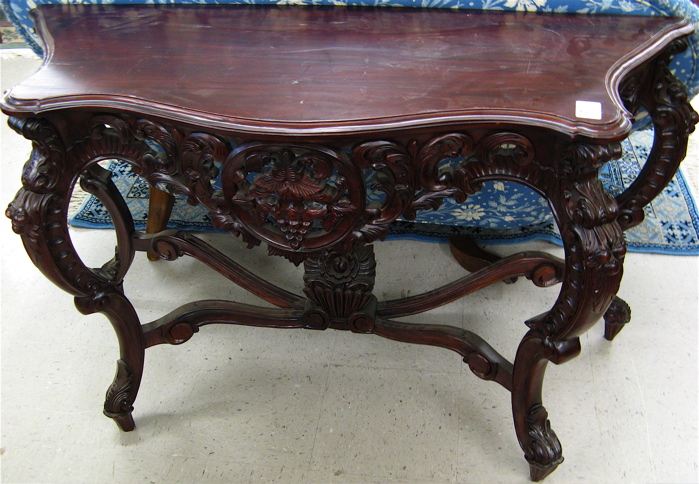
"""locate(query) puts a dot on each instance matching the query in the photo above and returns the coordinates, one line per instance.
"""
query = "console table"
(301, 111)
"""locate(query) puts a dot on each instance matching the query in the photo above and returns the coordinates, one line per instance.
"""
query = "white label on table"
(588, 110)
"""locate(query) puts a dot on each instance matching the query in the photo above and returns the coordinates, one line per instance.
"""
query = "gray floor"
(239, 405)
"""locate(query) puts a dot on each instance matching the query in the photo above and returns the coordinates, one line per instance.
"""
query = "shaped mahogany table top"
(319, 71)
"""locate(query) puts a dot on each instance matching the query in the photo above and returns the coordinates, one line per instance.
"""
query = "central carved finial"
(341, 283)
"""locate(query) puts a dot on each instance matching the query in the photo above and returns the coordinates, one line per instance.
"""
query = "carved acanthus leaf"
(394, 177)
(544, 447)
(199, 154)
(118, 399)
(42, 173)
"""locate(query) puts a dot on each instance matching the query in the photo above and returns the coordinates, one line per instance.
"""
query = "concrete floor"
(244, 405)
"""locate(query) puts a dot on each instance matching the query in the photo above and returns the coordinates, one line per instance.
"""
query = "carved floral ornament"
(300, 199)
(304, 198)
(294, 197)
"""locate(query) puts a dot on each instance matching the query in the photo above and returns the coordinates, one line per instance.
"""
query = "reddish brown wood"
(471, 256)
(616, 317)
(326, 71)
(390, 93)
(172, 244)
(674, 120)
(160, 205)
(339, 288)
(180, 325)
(541, 268)
(484, 361)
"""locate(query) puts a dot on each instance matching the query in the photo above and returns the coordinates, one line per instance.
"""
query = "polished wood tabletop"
(328, 71)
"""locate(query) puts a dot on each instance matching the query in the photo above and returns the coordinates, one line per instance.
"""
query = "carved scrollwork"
(498, 154)
(495, 155)
(24, 212)
(452, 145)
(160, 165)
(481, 366)
(504, 149)
(42, 173)
(199, 154)
(181, 332)
(595, 248)
(665, 99)
(104, 123)
(297, 198)
(167, 139)
(117, 401)
(437, 184)
(395, 178)
(585, 157)
(39, 210)
(186, 162)
(543, 450)
(616, 317)
(588, 206)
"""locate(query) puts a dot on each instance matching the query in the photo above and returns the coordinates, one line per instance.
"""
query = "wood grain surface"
(329, 71)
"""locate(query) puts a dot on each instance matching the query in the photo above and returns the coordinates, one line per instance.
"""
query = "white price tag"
(588, 110)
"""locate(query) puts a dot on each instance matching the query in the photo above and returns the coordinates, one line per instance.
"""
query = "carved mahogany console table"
(302, 110)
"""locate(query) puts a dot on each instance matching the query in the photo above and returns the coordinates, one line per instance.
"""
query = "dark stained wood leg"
(541, 446)
(39, 215)
(665, 98)
(469, 255)
(160, 206)
(616, 317)
(595, 250)
(122, 392)
(472, 257)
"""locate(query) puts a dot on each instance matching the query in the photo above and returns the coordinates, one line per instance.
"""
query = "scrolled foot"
(117, 404)
(616, 317)
(543, 450)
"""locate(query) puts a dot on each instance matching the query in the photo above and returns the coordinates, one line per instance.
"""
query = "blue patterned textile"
(502, 212)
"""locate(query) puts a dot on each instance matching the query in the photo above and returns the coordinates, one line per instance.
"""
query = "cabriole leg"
(541, 446)
(122, 392)
(160, 206)
(595, 249)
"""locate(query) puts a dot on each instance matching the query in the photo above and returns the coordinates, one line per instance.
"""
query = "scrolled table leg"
(122, 392)
(665, 98)
(595, 249)
(541, 446)
(39, 214)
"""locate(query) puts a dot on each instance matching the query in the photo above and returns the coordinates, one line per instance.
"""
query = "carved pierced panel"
(297, 198)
